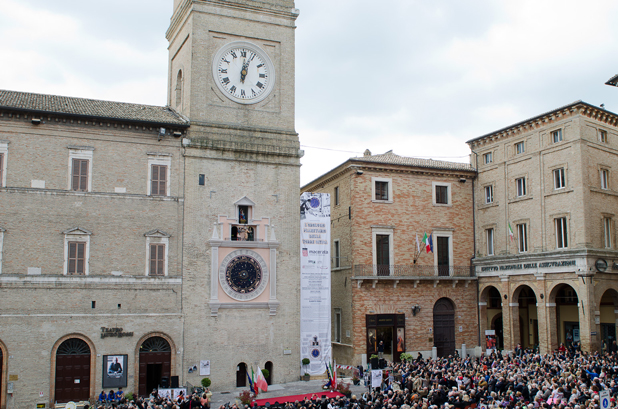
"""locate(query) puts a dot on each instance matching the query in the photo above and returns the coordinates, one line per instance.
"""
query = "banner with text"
(315, 282)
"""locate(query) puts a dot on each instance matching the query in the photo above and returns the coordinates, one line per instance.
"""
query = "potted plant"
(246, 397)
(355, 379)
(344, 388)
(405, 357)
(306, 362)
(206, 382)
(266, 374)
(375, 362)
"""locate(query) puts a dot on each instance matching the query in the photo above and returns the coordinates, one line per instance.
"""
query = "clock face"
(243, 274)
(243, 72)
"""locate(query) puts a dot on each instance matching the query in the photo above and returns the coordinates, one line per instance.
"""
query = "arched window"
(179, 88)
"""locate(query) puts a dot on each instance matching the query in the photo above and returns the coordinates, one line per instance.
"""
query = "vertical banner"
(315, 282)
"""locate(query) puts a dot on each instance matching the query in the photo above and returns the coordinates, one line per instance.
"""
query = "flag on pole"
(511, 235)
(260, 381)
(424, 241)
(335, 374)
(330, 380)
(429, 244)
(251, 387)
(418, 245)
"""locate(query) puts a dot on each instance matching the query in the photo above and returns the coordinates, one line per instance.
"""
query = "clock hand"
(244, 71)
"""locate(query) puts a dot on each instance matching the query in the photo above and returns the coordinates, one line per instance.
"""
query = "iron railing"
(412, 270)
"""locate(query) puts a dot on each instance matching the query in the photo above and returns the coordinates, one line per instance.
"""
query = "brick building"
(382, 287)
(164, 236)
(545, 209)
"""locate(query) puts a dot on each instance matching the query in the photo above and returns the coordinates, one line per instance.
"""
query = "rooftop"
(394, 159)
(123, 111)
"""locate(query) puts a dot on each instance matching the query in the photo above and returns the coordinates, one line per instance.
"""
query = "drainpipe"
(478, 308)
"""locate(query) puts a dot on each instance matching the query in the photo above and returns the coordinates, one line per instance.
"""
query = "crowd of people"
(523, 379)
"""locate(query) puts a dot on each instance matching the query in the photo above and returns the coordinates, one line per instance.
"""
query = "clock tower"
(231, 73)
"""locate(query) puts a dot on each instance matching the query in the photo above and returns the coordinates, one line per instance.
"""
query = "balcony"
(413, 272)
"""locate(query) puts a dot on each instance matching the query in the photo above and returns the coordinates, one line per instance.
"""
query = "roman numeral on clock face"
(242, 93)
(233, 89)
(233, 54)
(260, 85)
(225, 80)
(223, 71)
(243, 53)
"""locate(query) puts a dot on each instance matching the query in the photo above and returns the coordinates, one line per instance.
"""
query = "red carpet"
(294, 398)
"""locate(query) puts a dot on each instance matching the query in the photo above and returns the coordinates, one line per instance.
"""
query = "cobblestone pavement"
(286, 389)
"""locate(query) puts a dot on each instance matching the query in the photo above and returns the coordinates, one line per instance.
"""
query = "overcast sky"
(419, 77)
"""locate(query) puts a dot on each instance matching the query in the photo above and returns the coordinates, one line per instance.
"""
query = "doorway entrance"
(390, 329)
(155, 356)
(241, 375)
(444, 327)
(72, 371)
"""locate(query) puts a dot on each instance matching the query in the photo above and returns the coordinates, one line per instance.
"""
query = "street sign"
(604, 398)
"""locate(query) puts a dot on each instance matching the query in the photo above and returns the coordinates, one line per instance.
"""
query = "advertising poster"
(490, 340)
(315, 317)
(205, 367)
(114, 371)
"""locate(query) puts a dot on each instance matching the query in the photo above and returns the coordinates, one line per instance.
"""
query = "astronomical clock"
(244, 268)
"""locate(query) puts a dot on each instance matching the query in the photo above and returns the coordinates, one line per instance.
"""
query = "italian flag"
(260, 381)
(511, 235)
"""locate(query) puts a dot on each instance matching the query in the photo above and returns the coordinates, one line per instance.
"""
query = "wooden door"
(444, 326)
(382, 254)
(241, 374)
(72, 371)
(155, 359)
(443, 256)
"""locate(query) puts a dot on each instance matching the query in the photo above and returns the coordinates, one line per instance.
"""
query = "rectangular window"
(602, 136)
(556, 136)
(158, 180)
(381, 190)
(1, 169)
(490, 241)
(559, 180)
(383, 254)
(604, 179)
(488, 158)
(157, 259)
(337, 324)
(607, 232)
(336, 195)
(562, 240)
(77, 258)
(519, 147)
(521, 186)
(337, 254)
(522, 237)
(443, 256)
(79, 175)
(441, 194)
(489, 194)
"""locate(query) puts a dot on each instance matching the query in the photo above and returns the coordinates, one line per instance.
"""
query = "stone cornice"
(532, 124)
(351, 166)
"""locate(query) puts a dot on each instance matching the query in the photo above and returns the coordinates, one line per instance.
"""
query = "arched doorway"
(567, 315)
(155, 356)
(607, 307)
(528, 318)
(498, 326)
(72, 371)
(241, 374)
(269, 368)
(444, 327)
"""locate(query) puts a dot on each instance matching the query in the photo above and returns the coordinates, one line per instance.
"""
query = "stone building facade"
(383, 288)
(164, 236)
(545, 214)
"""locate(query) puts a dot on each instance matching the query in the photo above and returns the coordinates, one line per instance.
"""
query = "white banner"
(315, 281)
(376, 378)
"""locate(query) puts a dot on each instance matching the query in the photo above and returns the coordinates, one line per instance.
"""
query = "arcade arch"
(73, 365)
(155, 352)
(563, 310)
